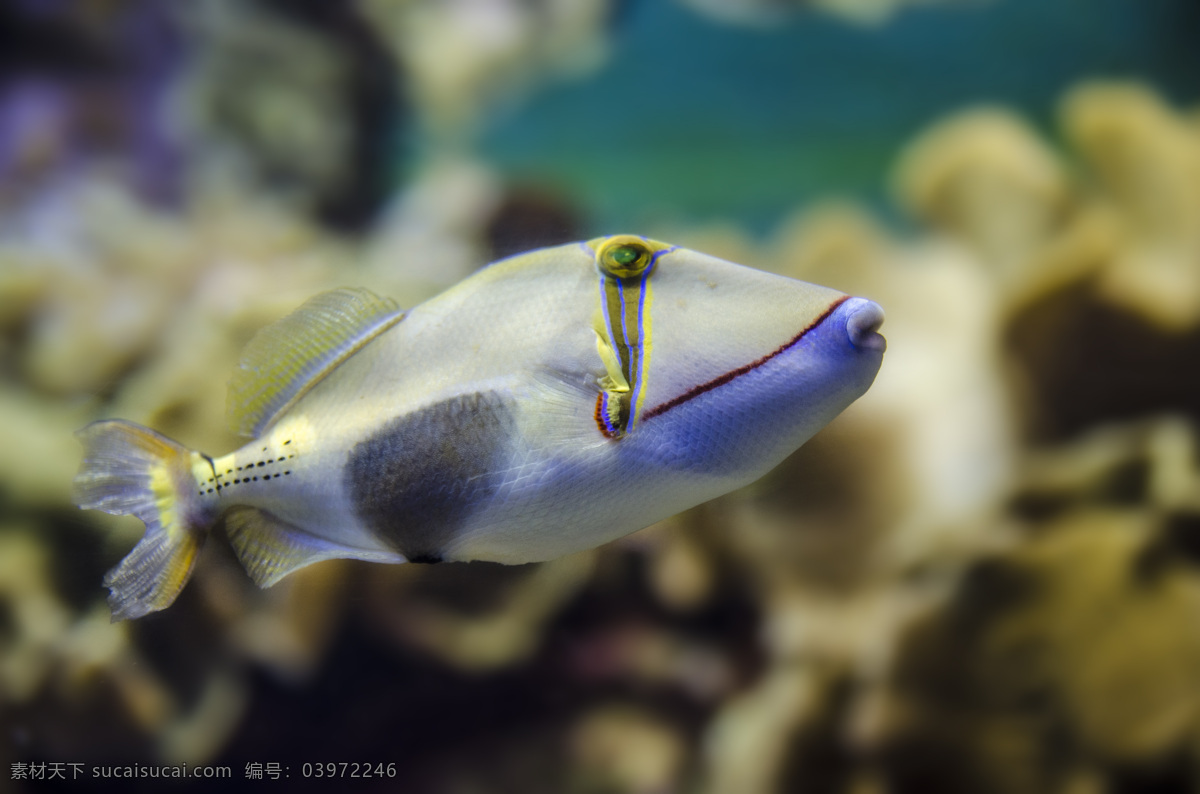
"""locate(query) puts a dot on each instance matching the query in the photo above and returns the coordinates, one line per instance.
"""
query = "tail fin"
(130, 469)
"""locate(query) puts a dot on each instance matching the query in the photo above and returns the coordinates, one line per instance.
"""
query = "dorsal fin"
(286, 359)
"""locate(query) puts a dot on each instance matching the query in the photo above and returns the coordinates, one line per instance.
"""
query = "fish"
(549, 403)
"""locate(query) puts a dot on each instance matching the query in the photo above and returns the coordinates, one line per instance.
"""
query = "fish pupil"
(625, 255)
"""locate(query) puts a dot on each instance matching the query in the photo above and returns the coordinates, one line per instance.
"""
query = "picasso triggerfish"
(549, 403)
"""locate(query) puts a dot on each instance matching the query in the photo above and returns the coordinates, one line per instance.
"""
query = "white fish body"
(550, 403)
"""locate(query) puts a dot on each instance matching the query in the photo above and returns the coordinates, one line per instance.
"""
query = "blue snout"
(863, 319)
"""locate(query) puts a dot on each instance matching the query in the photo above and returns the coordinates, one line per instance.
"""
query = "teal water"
(691, 119)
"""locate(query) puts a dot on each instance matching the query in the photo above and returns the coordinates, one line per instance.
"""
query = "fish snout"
(863, 319)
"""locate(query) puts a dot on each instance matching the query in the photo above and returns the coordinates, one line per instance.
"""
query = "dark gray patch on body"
(417, 480)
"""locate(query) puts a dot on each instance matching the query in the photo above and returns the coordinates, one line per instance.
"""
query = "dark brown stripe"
(721, 380)
(601, 417)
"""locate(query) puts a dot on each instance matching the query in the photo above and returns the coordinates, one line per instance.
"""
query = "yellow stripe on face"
(613, 404)
(626, 299)
(645, 339)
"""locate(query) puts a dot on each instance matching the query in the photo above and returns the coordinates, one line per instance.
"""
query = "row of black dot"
(252, 465)
(265, 477)
(243, 480)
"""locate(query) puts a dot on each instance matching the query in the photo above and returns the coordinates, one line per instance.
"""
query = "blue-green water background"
(694, 118)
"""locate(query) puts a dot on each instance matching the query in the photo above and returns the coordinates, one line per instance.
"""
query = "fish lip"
(863, 322)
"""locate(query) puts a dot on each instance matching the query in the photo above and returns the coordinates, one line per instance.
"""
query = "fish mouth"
(863, 321)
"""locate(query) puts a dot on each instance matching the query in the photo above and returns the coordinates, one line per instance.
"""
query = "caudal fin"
(130, 469)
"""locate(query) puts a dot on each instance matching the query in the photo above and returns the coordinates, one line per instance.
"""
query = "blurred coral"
(768, 12)
(985, 176)
(982, 577)
(463, 57)
(1146, 158)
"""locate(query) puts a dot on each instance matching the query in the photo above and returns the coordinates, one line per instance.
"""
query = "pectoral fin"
(612, 410)
(614, 379)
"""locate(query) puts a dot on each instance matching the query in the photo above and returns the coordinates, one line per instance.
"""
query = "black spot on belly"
(417, 480)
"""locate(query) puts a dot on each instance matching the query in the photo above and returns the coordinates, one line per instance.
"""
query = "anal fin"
(270, 549)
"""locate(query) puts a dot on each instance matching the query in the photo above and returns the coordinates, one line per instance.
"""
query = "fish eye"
(624, 256)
